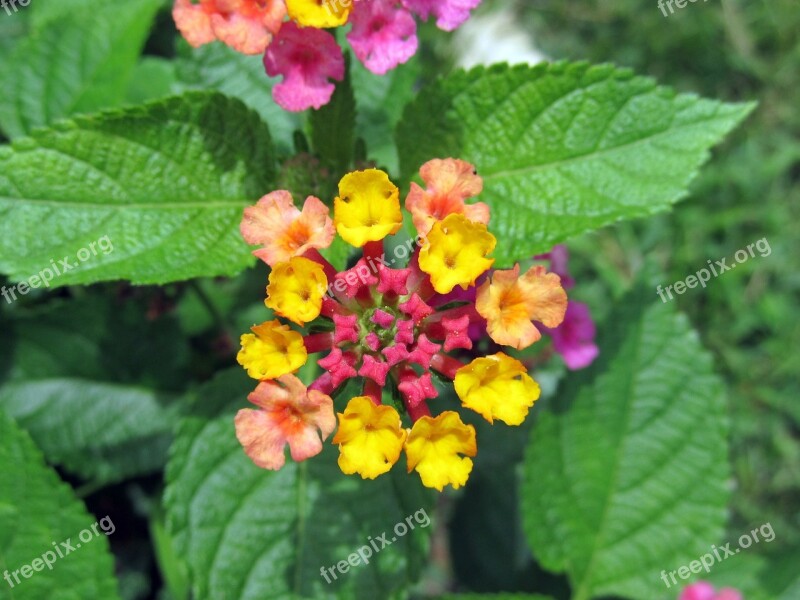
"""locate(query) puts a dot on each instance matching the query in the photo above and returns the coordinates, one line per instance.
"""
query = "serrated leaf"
(38, 511)
(79, 391)
(166, 183)
(247, 533)
(80, 62)
(103, 432)
(218, 67)
(626, 475)
(564, 148)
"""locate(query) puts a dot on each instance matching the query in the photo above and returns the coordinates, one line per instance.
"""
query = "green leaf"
(564, 148)
(495, 597)
(165, 184)
(103, 432)
(333, 128)
(75, 380)
(38, 512)
(247, 533)
(626, 475)
(78, 63)
(380, 100)
(153, 78)
(218, 67)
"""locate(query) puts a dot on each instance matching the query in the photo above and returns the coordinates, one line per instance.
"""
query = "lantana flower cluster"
(389, 326)
(294, 36)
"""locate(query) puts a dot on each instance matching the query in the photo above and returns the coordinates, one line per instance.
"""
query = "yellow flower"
(497, 387)
(322, 14)
(296, 289)
(370, 438)
(271, 350)
(509, 303)
(455, 251)
(434, 446)
(367, 208)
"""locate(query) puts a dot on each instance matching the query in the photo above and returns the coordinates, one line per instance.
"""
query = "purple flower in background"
(574, 338)
(702, 590)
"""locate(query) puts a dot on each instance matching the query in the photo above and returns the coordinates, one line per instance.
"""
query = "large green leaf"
(247, 533)
(564, 148)
(218, 67)
(75, 374)
(627, 475)
(102, 431)
(38, 512)
(77, 63)
(166, 183)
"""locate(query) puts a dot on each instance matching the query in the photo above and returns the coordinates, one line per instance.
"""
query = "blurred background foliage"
(748, 317)
(729, 50)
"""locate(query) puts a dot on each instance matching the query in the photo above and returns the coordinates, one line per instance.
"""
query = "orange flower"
(289, 414)
(283, 230)
(247, 26)
(509, 303)
(450, 182)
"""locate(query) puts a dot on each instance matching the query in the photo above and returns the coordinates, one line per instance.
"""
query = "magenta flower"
(383, 35)
(574, 338)
(450, 14)
(702, 590)
(307, 58)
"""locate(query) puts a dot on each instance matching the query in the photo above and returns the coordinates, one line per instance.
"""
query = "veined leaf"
(626, 476)
(37, 513)
(564, 148)
(220, 68)
(84, 378)
(165, 184)
(248, 533)
(78, 63)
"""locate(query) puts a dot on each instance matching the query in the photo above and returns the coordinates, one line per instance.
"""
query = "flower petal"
(370, 438)
(497, 387)
(367, 208)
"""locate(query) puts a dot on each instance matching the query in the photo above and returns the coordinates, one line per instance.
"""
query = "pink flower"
(450, 14)
(383, 35)
(574, 338)
(449, 183)
(288, 414)
(285, 231)
(247, 26)
(307, 58)
(702, 590)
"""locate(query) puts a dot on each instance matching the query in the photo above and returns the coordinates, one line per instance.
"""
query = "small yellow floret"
(497, 387)
(271, 350)
(296, 289)
(367, 208)
(434, 446)
(454, 253)
(370, 438)
(321, 14)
